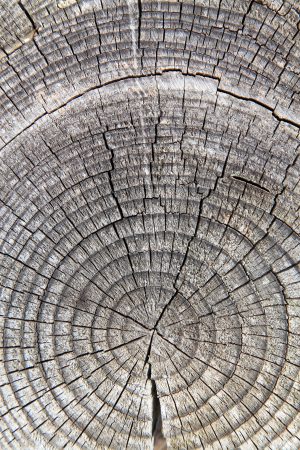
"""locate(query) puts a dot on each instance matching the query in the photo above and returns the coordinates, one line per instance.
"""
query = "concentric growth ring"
(150, 225)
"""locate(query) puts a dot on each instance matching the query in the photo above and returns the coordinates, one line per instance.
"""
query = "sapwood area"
(149, 224)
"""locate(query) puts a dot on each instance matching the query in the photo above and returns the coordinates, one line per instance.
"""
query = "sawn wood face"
(149, 224)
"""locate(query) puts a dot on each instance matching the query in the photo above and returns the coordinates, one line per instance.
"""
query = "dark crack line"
(148, 354)
(123, 344)
(118, 205)
(247, 12)
(157, 433)
(35, 28)
(253, 183)
(139, 4)
(156, 407)
(184, 259)
(158, 74)
(260, 103)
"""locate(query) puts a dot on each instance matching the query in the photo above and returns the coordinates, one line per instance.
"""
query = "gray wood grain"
(149, 224)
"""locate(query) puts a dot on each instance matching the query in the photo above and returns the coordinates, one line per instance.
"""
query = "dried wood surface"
(149, 224)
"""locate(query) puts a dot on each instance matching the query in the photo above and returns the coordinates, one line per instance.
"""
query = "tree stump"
(150, 224)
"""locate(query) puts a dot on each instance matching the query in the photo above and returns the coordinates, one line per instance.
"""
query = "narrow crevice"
(148, 356)
(157, 432)
(112, 162)
(247, 99)
(35, 28)
(253, 183)
(139, 3)
(248, 11)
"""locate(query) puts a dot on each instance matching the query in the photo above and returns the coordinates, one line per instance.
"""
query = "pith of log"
(149, 224)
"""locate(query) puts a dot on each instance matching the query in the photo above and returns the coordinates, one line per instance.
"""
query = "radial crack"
(28, 16)
(157, 431)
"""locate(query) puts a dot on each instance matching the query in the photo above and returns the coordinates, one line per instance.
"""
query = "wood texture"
(149, 224)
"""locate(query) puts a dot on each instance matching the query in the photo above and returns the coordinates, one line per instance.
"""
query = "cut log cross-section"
(149, 224)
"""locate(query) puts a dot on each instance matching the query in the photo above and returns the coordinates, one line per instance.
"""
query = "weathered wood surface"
(150, 248)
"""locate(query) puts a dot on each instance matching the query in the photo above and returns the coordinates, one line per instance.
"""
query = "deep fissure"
(157, 432)
(28, 16)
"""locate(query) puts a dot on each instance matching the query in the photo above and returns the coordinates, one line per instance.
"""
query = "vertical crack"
(139, 22)
(157, 433)
(112, 188)
(28, 16)
(247, 12)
